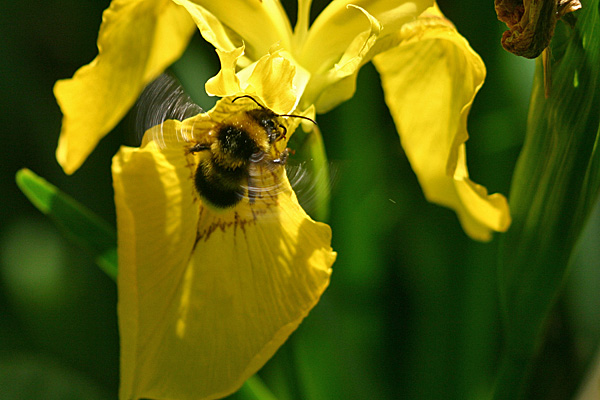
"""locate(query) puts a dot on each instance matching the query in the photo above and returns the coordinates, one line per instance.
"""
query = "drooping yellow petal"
(206, 296)
(430, 81)
(338, 25)
(258, 24)
(137, 41)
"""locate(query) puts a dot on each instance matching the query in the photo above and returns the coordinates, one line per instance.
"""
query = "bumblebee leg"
(282, 135)
(198, 147)
(283, 156)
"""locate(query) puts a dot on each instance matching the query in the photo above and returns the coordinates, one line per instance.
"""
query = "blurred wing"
(163, 99)
(310, 183)
(266, 179)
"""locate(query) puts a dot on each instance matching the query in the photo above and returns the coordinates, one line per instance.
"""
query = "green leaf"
(555, 185)
(77, 222)
(255, 389)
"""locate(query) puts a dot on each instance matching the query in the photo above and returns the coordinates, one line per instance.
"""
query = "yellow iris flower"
(206, 297)
(430, 76)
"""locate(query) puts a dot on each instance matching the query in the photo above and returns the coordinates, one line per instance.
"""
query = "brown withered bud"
(531, 23)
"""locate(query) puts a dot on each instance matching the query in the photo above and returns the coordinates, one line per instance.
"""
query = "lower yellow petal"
(136, 42)
(430, 81)
(207, 296)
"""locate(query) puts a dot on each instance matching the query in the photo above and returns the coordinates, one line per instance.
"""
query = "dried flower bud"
(531, 23)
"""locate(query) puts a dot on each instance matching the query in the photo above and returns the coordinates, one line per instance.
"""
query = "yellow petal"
(302, 23)
(590, 387)
(329, 88)
(258, 24)
(205, 296)
(430, 81)
(338, 25)
(274, 79)
(136, 42)
(211, 28)
(225, 83)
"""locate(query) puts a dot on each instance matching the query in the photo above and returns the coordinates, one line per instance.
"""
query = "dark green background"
(412, 311)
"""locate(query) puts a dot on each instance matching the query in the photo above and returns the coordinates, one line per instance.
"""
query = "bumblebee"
(241, 149)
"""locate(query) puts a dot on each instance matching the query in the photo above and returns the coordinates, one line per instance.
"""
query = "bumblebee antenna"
(265, 108)
(298, 116)
(247, 96)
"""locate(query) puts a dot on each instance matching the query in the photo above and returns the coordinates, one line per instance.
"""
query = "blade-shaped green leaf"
(77, 222)
(555, 186)
(254, 389)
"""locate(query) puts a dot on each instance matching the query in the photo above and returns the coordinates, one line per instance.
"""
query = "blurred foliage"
(554, 189)
(74, 220)
(413, 307)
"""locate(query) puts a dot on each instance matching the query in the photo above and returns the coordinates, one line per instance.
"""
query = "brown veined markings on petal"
(247, 212)
(261, 206)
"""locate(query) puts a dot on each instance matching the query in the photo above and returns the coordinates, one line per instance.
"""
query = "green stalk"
(555, 185)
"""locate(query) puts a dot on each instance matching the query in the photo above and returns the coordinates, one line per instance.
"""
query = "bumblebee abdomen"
(221, 187)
